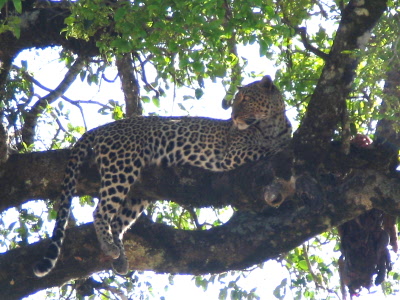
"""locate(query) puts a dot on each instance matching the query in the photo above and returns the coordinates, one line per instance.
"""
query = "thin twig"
(315, 277)
(76, 103)
(194, 217)
(31, 117)
(58, 121)
(303, 34)
(28, 77)
(109, 80)
(144, 77)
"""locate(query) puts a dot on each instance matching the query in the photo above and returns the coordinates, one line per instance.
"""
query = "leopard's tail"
(78, 153)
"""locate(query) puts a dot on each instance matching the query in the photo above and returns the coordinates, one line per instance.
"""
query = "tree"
(340, 83)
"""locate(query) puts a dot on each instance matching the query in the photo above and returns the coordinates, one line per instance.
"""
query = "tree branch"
(248, 238)
(236, 69)
(303, 34)
(143, 72)
(129, 84)
(327, 104)
(41, 27)
(31, 116)
(39, 175)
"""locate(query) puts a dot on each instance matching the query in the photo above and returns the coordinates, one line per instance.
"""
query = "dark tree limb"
(327, 106)
(247, 239)
(40, 28)
(39, 175)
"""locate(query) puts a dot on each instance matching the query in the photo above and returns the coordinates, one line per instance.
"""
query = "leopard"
(258, 128)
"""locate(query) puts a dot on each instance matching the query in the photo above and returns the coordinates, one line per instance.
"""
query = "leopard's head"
(255, 102)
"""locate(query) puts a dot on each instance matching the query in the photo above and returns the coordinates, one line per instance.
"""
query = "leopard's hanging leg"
(113, 192)
(126, 217)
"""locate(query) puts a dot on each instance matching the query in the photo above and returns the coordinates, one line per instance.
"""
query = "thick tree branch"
(247, 239)
(39, 175)
(40, 28)
(327, 105)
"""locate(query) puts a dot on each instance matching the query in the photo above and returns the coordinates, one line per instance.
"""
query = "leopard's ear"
(266, 82)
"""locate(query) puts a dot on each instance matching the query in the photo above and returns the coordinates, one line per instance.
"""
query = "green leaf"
(2, 3)
(68, 20)
(122, 45)
(52, 214)
(198, 93)
(86, 200)
(120, 13)
(17, 31)
(270, 12)
(188, 97)
(18, 5)
(156, 101)
(12, 225)
(82, 75)
(182, 107)
(145, 99)
(198, 67)
(303, 265)
(220, 71)
(117, 113)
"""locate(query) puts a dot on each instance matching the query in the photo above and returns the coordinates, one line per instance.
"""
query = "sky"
(46, 64)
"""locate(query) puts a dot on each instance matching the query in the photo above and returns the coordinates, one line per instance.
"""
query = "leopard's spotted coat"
(258, 128)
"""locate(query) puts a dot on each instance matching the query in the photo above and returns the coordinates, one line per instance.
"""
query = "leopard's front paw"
(121, 265)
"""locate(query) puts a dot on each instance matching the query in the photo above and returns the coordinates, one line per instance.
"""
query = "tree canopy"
(336, 63)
